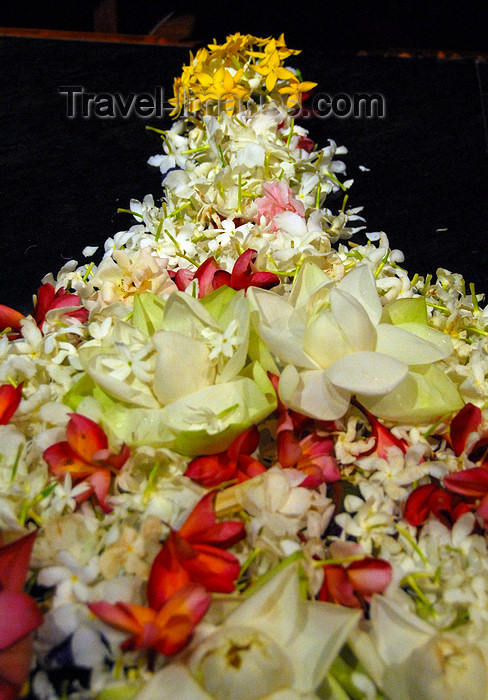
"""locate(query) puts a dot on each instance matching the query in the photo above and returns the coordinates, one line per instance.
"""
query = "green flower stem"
(129, 211)
(406, 535)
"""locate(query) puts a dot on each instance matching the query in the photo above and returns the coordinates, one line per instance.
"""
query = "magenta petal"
(205, 275)
(18, 616)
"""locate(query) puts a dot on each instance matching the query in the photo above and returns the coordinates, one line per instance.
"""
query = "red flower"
(432, 498)
(384, 439)
(463, 431)
(355, 583)
(235, 463)
(166, 630)
(19, 617)
(302, 447)
(9, 401)
(473, 485)
(47, 299)
(196, 553)
(85, 455)
(210, 276)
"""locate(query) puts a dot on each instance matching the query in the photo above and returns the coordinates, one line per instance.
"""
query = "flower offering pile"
(243, 456)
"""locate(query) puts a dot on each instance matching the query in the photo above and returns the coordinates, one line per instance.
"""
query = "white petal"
(173, 682)
(353, 320)
(432, 335)
(397, 342)
(182, 366)
(361, 285)
(370, 373)
(312, 393)
(324, 340)
(291, 223)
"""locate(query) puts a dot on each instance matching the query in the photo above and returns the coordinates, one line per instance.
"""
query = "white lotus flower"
(332, 342)
(274, 645)
(410, 660)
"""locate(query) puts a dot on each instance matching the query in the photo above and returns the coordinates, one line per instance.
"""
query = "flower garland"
(243, 456)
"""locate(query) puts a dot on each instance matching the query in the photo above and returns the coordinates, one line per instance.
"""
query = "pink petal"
(100, 482)
(369, 575)
(183, 278)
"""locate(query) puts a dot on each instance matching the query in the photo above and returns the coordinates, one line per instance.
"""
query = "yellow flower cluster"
(244, 68)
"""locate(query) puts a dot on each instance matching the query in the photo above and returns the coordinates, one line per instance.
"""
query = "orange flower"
(166, 630)
(196, 553)
(85, 455)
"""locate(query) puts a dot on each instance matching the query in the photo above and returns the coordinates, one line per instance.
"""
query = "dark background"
(61, 180)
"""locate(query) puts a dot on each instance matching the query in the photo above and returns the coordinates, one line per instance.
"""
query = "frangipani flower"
(19, 616)
(336, 342)
(166, 630)
(196, 553)
(410, 660)
(275, 644)
(85, 455)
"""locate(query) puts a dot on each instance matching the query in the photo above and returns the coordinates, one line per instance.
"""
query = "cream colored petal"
(325, 341)
(311, 393)
(182, 366)
(441, 340)
(173, 681)
(370, 373)
(361, 285)
(399, 343)
(353, 320)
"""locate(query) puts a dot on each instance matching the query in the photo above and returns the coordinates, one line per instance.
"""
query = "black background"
(61, 180)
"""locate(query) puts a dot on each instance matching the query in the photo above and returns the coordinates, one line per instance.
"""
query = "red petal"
(201, 526)
(85, 436)
(62, 459)
(469, 482)
(45, 297)
(289, 450)
(183, 278)
(10, 398)
(118, 615)
(211, 470)
(100, 482)
(115, 461)
(384, 439)
(10, 318)
(19, 616)
(14, 562)
(246, 442)
(467, 421)
(305, 143)
(215, 569)
(179, 616)
(167, 575)
(369, 575)
(417, 507)
(327, 467)
(205, 275)
(244, 275)
(15, 664)
(337, 588)
(248, 467)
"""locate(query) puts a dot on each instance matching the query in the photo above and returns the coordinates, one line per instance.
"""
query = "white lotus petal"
(184, 314)
(175, 682)
(182, 366)
(324, 340)
(353, 320)
(311, 393)
(441, 340)
(397, 342)
(309, 279)
(291, 223)
(370, 373)
(361, 285)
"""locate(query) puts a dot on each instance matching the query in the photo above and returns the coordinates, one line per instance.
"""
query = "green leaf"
(400, 311)
(125, 691)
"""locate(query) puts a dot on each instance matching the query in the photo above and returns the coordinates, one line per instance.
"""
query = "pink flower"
(278, 197)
